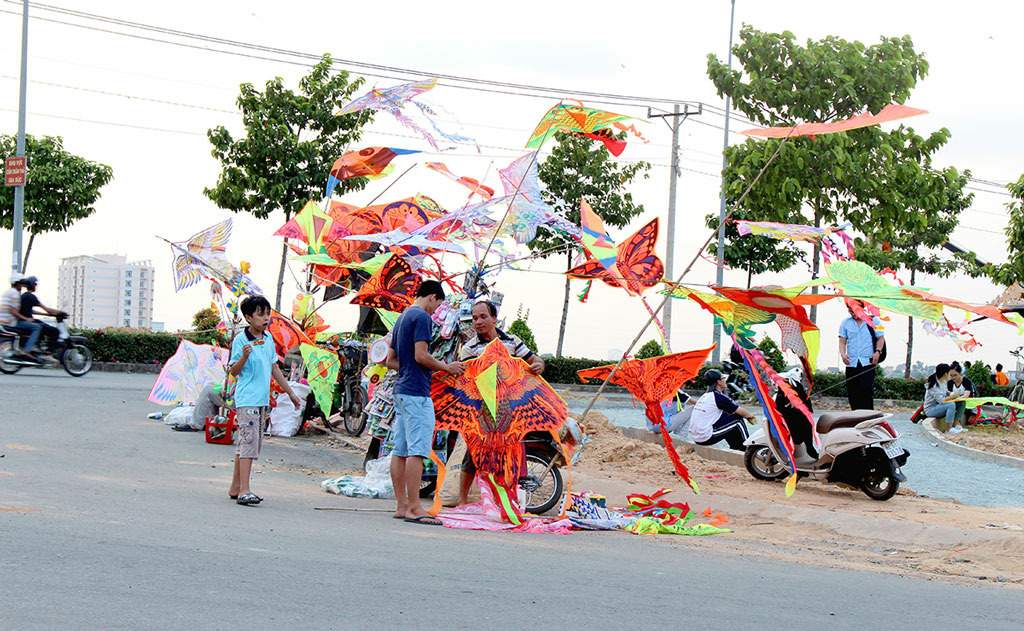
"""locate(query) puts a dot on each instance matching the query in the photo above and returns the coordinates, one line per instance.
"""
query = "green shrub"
(206, 320)
(563, 369)
(522, 330)
(980, 376)
(649, 350)
(134, 347)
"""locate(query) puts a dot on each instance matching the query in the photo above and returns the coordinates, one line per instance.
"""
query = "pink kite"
(889, 113)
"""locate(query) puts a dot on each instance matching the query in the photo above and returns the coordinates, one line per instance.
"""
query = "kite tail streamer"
(583, 295)
(435, 508)
(509, 510)
(787, 390)
(660, 328)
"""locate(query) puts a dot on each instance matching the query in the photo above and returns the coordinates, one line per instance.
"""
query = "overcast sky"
(143, 107)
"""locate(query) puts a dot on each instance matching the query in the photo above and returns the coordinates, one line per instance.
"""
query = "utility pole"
(677, 117)
(720, 275)
(19, 191)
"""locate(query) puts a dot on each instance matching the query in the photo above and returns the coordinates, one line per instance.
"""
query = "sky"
(143, 108)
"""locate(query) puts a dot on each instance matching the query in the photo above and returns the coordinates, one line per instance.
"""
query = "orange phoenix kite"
(493, 405)
(653, 381)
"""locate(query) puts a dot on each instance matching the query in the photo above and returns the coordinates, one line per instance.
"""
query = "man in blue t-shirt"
(414, 411)
(860, 351)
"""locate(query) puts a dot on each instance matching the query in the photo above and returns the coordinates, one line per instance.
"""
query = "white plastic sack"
(285, 420)
(375, 484)
(181, 414)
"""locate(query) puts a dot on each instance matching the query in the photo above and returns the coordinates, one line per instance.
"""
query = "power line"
(99, 122)
(126, 96)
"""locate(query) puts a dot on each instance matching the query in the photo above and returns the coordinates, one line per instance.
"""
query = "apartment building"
(106, 290)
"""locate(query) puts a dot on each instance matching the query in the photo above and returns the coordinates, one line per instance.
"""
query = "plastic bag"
(285, 420)
(181, 414)
(375, 484)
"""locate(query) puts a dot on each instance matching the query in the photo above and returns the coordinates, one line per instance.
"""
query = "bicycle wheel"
(355, 417)
(7, 350)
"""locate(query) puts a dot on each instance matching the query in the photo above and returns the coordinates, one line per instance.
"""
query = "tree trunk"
(910, 332)
(816, 265)
(565, 309)
(750, 277)
(28, 250)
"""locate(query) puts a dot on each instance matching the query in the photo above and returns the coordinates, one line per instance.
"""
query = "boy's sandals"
(249, 499)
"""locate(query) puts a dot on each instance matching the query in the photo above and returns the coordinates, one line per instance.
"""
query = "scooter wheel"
(7, 350)
(879, 487)
(762, 464)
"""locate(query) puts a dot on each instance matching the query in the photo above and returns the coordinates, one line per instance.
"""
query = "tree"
(651, 349)
(292, 140)
(578, 168)
(1013, 270)
(206, 321)
(61, 189)
(880, 182)
(772, 354)
(522, 330)
(754, 253)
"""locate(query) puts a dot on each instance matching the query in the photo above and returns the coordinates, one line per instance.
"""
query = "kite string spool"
(668, 296)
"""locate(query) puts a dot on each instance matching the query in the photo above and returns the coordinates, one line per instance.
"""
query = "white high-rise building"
(106, 290)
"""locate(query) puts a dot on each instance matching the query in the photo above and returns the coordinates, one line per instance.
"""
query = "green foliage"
(563, 369)
(522, 330)
(579, 168)
(772, 354)
(980, 376)
(206, 320)
(651, 349)
(133, 347)
(754, 253)
(881, 182)
(61, 189)
(1013, 270)
(834, 385)
(292, 140)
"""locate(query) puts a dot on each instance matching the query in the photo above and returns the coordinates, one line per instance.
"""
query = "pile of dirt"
(992, 438)
(606, 444)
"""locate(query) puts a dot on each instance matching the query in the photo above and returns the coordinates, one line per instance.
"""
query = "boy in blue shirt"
(414, 411)
(254, 362)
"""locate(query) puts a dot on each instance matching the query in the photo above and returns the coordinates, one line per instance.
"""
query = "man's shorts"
(414, 426)
(249, 435)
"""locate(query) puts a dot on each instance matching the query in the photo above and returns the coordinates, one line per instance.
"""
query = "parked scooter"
(859, 449)
(738, 387)
(70, 350)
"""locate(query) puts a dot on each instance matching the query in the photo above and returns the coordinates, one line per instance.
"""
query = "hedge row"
(135, 347)
(834, 385)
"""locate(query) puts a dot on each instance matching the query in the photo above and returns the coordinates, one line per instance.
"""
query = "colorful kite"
(580, 120)
(496, 402)
(286, 333)
(799, 333)
(203, 256)
(788, 231)
(368, 162)
(735, 318)
(595, 238)
(858, 280)
(889, 113)
(528, 210)
(633, 266)
(392, 288)
(474, 186)
(653, 381)
(316, 229)
(187, 372)
(322, 369)
(413, 244)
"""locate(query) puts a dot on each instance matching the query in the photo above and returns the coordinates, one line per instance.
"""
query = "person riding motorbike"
(11, 318)
(30, 305)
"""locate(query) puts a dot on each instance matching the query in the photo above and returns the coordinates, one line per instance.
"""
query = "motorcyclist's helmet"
(30, 282)
(16, 278)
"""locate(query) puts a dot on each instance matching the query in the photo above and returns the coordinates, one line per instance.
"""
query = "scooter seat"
(834, 420)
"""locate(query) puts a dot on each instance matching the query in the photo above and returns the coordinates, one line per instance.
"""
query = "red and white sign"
(15, 172)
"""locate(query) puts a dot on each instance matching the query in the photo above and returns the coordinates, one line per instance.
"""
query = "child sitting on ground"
(254, 362)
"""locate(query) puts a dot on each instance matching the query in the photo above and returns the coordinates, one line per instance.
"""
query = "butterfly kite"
(203, 256)
(528, 210)
(633, 266)
(392, 288)
(889, 113)
(653, 381)
(493, 405)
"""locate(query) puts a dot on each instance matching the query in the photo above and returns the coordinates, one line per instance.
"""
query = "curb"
(148, 369)
(935, 436)
(728, 456)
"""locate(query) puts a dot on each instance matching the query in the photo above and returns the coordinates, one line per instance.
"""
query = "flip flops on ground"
(426, 520)
(248, 499)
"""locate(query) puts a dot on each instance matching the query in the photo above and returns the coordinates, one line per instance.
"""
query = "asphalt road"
(112, 521)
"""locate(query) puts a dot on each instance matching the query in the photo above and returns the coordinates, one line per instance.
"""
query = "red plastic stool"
(229, 427)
